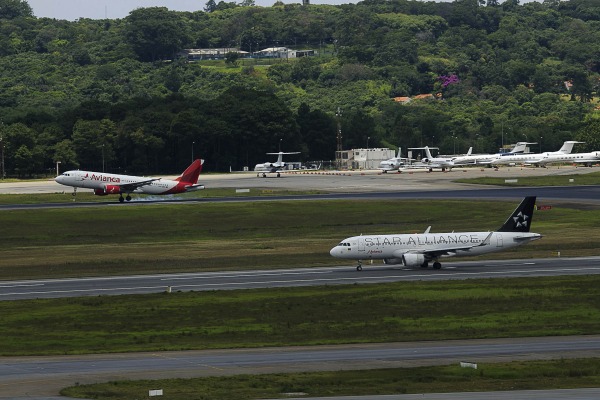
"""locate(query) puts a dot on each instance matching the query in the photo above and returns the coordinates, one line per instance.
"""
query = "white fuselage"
(102, 181)
(391, 164)
(395, 246)
(586, 158)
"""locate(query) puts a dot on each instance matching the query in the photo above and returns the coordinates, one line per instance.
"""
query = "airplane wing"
(444, 251)
(130, 187)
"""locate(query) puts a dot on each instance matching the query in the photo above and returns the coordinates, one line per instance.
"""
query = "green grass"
(199, 237)
(554, 374)
(551, 180)
(403, 311)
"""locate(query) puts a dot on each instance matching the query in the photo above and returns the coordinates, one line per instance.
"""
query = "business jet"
(434, 162)
(486, 159)
(588, 159)
(534, 158)
(394, 163)
(272, 167)
(104, 184)
(419, 249)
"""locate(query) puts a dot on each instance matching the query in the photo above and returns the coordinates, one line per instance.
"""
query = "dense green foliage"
(85, 91)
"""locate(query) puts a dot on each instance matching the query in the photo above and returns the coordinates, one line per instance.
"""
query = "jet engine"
(413, 260)
(108, 189)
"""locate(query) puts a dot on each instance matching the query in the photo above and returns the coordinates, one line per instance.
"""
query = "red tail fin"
(190, 175)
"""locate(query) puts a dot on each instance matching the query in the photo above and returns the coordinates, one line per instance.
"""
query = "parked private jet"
(272, 167)
(419, 249)
(104, 184)
(534, 158)
(394, 163)
(485, 159)
(434, 162)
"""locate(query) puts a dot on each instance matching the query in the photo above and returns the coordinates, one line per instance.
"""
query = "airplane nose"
(332, 252)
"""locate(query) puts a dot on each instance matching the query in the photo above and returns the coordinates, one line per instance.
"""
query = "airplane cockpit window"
(346, 244)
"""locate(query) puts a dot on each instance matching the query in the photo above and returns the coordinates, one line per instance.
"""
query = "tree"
(156, 33)
(211, 5)
(590, 134)
(10, 9)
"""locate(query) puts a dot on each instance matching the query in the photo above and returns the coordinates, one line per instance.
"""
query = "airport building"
(363, 158)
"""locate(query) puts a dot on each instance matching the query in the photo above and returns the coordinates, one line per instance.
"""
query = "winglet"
(520, 219)
(427, 230)
(190, 175)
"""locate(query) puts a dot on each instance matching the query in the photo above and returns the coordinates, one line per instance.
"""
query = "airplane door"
(499, 242)
(361, 244)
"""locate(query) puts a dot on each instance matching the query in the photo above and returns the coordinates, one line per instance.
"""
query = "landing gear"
(359, 266)
(278, 175)
(74, 194)
(425, 264)
(121, 199)
(437, 265)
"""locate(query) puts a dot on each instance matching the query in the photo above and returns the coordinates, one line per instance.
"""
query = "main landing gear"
(436, 265)
(264, 175)
(121, 199)
(359, 266)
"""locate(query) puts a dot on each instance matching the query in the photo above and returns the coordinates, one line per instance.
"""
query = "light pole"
(102, 161)
(280, 145)
(193, 143)
(541, 137)
(58, 162)
(2, 154)
(454, 143)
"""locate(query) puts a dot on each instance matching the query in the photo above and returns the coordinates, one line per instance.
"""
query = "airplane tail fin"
(190, 175)
(470, 151)
(567, 146)
(520, 219)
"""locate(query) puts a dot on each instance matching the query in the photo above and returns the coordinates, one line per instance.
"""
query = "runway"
(201, 281)
(43, 375)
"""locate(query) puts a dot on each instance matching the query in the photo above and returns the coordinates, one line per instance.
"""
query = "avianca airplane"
(418, 249)
(105, 184)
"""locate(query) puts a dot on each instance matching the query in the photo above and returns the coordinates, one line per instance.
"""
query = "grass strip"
(402, 311)
(236, 236)
(530, 375)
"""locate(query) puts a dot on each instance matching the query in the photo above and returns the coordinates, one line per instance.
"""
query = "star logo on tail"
(521, 220)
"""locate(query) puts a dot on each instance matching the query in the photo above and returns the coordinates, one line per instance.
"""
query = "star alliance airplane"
(419, 249)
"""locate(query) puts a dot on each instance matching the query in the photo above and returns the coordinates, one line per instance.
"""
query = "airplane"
(393, 163)
(533, 158)
(104, 184)
(272, 167)
(434, 162)
(470, 159)
(582, 158)
(418, 249)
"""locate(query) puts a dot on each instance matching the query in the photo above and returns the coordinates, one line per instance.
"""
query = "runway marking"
(21, 285)
(187, 362)
(245, 275)
(357, 277)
